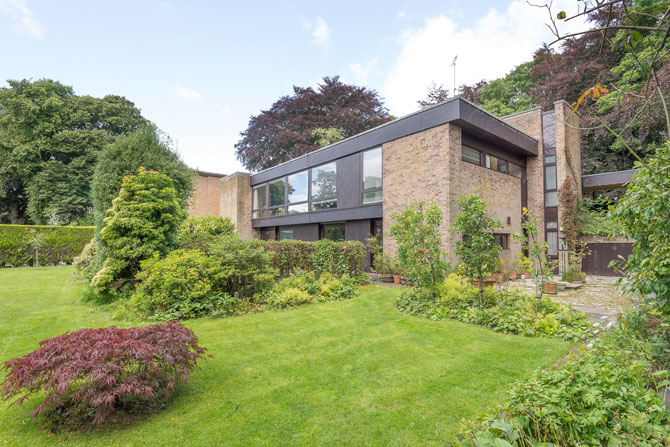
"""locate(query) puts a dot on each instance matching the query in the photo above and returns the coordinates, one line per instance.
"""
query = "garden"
(168, 327)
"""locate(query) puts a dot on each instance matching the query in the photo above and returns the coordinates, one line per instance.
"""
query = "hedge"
(323, 256)
(56, 245)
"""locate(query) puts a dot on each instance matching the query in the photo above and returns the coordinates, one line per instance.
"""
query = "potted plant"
(523, 266)
(398, 272)
(574, 274)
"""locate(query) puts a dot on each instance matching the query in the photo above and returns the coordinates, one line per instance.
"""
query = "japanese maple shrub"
(419, 241)
(145, 218)
(93, 377)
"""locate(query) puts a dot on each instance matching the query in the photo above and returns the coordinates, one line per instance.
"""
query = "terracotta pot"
(550, 287)
(386, 278)
(513, 276)
(397, 279)
(499, 277)
(526, 274)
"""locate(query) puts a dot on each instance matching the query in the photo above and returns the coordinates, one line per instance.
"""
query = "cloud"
(319, 29)
(493, 46)
(361, 72)
(23, 17)
(168, 8)
(187, 93)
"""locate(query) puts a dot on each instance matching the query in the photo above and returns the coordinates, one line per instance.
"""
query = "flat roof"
(468, 116)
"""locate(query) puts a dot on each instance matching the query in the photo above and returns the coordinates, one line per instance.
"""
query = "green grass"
(354, 373)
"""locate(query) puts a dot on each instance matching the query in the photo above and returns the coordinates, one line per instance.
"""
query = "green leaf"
(561, 15)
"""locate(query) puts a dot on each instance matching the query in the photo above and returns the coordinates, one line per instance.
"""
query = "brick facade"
(206, 195)
(235, 202)
(530, 122)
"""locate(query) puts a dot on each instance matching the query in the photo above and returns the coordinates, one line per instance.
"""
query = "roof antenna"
(453, 64)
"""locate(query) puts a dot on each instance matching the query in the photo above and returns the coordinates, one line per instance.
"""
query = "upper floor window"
(372, 176)
(471, 155)
(324, 187)
(260, 201)
(489, 161)
(297, 187)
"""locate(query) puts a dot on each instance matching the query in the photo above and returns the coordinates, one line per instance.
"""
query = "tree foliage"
(644, 214)
(419, 240)
(143, 148)
(145, 218)
(50, 139)
(285, 131)
(477, 249)
(436, 94)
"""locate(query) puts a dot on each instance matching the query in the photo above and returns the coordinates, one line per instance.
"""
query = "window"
(551, 198)
(549, 159)
(550, 177)
(277, 193)
(372, 169)
(515, 170)
(372, 197)
(372, 176)
(259, 201)
(552, 225)
(297, 187)
(334, 232)
(286, 234)
(552, 242)
(300, 208)
(502, 240)
(471, 155)
(502, 166)
(324, 181)
(324, 187)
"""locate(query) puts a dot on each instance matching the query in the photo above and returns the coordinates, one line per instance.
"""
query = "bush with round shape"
(92, 377)
(184, 284)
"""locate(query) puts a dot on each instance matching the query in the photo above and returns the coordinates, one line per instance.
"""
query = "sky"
(200, 70)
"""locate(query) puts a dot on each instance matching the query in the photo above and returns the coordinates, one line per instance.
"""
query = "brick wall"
(206, 195)
(415, 170)
(530, 122)
(235, 202)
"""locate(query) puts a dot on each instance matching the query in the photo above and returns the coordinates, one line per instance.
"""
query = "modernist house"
(352, 188)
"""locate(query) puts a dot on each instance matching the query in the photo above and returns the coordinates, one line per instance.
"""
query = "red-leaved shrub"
(103, 375)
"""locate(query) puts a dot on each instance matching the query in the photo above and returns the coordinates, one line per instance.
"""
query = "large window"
(324, 187)
(502, 240)
(298, 193)
(372, 176)
(277, 197)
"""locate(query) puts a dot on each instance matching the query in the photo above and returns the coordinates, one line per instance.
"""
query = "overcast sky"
(200, 69)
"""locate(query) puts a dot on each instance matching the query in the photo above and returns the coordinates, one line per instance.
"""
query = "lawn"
(354, 373)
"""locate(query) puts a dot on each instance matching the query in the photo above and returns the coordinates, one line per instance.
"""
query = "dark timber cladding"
(471, 118)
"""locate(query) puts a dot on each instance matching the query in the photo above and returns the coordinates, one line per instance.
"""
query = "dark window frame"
(323, 198)
(332, 224)
(502, 240)
(548, 230)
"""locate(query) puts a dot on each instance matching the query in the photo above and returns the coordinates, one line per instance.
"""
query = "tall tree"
(286, 130)
(49, 142)
(436, 94)
(144, 148)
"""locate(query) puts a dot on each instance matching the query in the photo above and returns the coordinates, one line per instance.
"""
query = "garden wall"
(54, 245)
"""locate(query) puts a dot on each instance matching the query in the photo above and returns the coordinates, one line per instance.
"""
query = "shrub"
(185, 284)
(608, 396)
(303, 288)
(144, 219)
(199, 233)
(338, 258)
(56, 244)
(99, 376)
(508, 311)
(246, 268)
(419, 244)
(643, 213)
(289, 257)
(85, 265)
